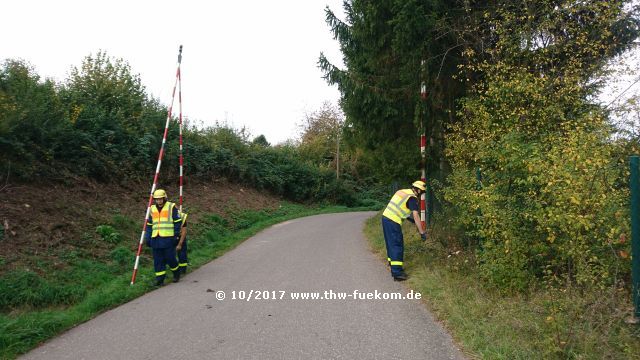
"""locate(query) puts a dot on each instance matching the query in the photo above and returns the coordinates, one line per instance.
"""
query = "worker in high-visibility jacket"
(181, 248)
(163, 230)
(403, 205)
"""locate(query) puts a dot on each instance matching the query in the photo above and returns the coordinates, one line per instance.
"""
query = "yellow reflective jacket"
(162, 221)
(397, 209)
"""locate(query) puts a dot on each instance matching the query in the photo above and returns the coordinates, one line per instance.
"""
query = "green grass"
(541, 324)
(36, 307)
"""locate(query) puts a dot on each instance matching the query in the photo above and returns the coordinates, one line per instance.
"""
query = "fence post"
(634, 183)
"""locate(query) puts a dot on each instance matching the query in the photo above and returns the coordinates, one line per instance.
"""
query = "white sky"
(249, 63)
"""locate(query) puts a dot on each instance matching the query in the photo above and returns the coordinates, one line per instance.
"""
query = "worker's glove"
(423, 236)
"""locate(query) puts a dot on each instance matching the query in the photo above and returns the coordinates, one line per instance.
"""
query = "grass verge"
(35, 308)
(541, 324)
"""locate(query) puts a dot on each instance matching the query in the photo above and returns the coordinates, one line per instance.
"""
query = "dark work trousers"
(182, 256)
(163, 257)
(395, 245)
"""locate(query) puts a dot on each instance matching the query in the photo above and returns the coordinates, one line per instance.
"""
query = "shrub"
(109, 234)
(552, 199)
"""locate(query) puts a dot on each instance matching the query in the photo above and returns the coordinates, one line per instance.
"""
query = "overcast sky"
(251, 63)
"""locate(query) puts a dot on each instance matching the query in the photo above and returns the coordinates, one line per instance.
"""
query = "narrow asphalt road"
(313, 254)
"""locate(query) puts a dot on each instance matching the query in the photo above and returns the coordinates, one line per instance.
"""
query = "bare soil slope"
(42, 222)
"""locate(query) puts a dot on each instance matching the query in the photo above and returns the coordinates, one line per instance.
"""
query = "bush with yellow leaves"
(553, 198)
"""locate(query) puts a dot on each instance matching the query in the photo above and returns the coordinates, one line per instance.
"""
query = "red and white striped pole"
(155, 178)
(423, 202)
(423, 153)
(180, 125)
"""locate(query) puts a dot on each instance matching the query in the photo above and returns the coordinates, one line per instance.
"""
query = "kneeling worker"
(403, 205)
(163, 229)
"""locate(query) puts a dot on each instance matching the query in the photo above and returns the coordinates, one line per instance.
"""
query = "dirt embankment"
(43, 222)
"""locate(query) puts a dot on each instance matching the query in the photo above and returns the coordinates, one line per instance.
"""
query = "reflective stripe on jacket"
(397, 209)
(183, 216)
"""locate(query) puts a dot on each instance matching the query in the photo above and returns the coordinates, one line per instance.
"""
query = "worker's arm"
(177, 222)
(412, 204)
(183, 235)
(148, 230)
(417, 221)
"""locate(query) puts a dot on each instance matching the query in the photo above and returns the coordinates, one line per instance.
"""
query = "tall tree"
(321, 131)
(389, 48)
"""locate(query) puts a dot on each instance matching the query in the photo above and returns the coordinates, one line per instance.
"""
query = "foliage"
(31, 119)
(389, 48)
(100, 123)
(320, 133)
(558, 38)
(122, 256)
(284, 170)
(113, 119)
(552, 202)
(260, 140)
(109, 234)
(88, 126)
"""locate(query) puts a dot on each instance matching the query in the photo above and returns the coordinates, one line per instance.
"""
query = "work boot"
(159, 281)
(176, 276)
(400, 277)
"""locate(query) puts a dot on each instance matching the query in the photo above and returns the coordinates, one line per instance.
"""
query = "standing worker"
(163, 229)
(403, 205)
(181, 248)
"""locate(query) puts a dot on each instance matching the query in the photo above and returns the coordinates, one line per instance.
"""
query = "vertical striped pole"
(155, 178)
(180, 123)
(423, 202)
(423, 152)
(634, 184)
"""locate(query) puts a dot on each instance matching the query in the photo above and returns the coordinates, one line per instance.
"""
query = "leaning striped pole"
(155, 178)
(423, 153)
(180, 125)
